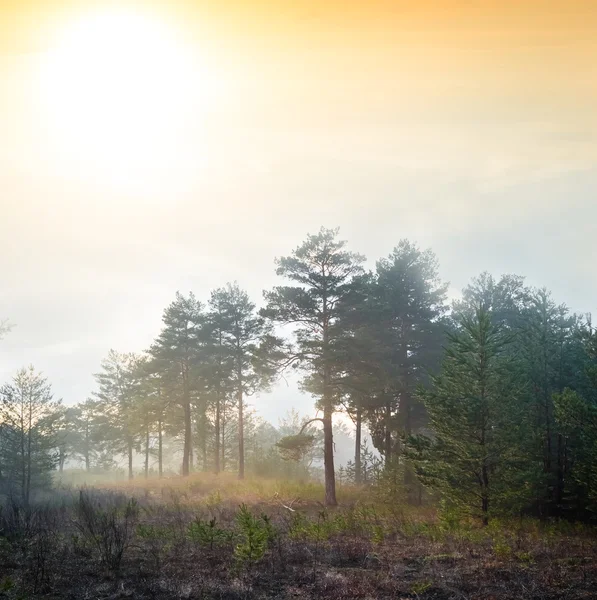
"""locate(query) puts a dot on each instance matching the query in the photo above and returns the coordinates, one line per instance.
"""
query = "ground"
(214, 537)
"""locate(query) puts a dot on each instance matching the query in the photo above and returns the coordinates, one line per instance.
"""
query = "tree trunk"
(328, 458)
(328, 409)
(217, 435)
(485, 496)
(241, 435)
(186, 452)
(87, 448)
(357, 443)
(130, 455)
(160, 454)
(188, 433)
(388, 433)
(224, 439)
(147, 451)
(203, 444)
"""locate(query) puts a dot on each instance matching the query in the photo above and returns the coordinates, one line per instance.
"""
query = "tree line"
(489, 403)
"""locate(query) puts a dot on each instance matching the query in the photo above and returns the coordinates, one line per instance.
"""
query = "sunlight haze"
(150, 147)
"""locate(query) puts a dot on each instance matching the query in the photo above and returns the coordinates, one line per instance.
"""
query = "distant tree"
(219, 371)
(27, 433)
(80, 433)
(248, 348)
(505, 299)
(117, 394)
(407, 308)
(178, 349)
(473, 411)
(5, 327)
(324, 274)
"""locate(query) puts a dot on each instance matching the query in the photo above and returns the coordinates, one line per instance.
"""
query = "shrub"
(207, 533)
(109, 526)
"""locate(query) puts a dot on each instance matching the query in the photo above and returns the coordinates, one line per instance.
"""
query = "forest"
(474, 424)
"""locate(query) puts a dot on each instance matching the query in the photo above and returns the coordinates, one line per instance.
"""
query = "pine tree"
(178, 349)
(576, 421)
(324, 274)
(248, 348)
(84, 440)
(472, 411)
(116, 395)
(409, 303)
(220, 373)
(27, 434)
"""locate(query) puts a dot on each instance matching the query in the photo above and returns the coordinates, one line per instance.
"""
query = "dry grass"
(189, 542)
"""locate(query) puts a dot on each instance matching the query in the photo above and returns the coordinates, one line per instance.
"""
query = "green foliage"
(255, 535)
(472, 406)
(420, 587)
(294, 447)
(207, 533)
(28, 440)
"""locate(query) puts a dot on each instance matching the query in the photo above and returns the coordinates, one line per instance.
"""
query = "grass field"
(210, 536)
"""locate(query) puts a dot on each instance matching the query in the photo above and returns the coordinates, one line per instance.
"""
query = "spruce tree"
(472, 411)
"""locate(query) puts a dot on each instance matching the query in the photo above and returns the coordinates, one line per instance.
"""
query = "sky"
(149, 147)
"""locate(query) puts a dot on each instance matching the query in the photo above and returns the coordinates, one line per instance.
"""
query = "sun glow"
(124, 98)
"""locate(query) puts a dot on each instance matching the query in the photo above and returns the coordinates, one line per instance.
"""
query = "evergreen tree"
(117, 394)
(576, 421)
(220, 371)
(324, 273)
(545, 342)
(473, 410)
(246, 347)
(27, 434)
(83, 438)
(409, 302)
(178, 349)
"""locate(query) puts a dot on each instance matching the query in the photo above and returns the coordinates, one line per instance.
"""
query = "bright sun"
(122, 94)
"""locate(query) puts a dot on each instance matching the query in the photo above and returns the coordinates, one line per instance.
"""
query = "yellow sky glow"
(120, 93)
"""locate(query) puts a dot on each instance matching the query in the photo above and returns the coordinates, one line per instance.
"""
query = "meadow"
(209, 536)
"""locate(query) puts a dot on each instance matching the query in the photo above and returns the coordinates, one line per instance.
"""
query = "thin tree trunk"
(130, 455)
(87, 458)
(147, 451)
(204, 435)
(485, 496)
(241, 434)
(28, 489)
(388, 433)
(217, 434)
(186, 452)
(160, 453)
(357, 443)
(224, 439)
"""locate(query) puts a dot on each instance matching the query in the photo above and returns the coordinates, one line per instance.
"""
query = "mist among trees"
(487, 405)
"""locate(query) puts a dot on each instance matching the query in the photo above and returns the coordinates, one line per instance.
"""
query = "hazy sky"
(176, 146)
